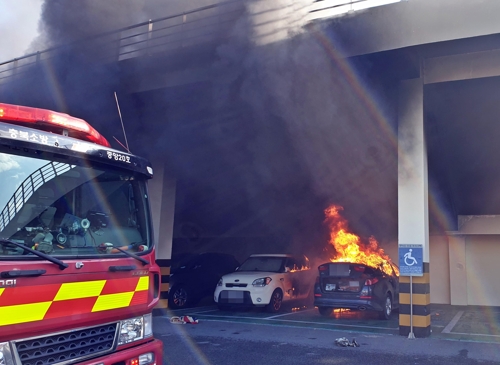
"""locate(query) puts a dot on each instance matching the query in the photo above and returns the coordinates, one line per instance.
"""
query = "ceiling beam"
(462, 67)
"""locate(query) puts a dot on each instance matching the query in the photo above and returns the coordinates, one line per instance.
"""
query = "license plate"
(330, 287)
(235, 295)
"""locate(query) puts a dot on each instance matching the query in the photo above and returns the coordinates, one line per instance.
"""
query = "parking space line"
(453, 322)
(473, 334)
(223, 318)
(229, 317)
(341, 324)
(287, 314)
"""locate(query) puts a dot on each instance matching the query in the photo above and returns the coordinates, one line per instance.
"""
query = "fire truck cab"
(78, 278)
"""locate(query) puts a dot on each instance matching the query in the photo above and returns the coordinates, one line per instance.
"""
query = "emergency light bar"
(51, 121)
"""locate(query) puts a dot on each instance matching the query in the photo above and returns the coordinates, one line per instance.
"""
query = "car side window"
(306, 266)
(302, 263)
(298, 263)
(291, 264)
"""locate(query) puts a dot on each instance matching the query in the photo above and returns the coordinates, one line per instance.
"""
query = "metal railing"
(200, 26)
(27, 189)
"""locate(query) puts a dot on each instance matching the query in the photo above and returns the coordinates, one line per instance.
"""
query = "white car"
(266, 281)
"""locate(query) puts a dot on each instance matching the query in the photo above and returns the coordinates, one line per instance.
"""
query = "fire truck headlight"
(135, 329)
(5, 354)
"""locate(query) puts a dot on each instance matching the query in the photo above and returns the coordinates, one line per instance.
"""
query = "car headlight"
(5, 354)
(220, 282)
(262, 281)
(135, 329)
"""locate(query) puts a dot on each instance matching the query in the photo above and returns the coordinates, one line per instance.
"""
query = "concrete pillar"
(413, 216)
(458, 270)
(162, 201)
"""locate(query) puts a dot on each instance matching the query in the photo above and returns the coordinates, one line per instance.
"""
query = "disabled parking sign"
(411, 262)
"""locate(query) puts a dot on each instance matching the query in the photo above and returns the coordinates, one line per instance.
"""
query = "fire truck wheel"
(325, 311)
(178, 297)
(386, 313)
(274, 305)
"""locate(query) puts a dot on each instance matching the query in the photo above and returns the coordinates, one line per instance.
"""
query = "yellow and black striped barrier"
(421, 304)
(165, 278)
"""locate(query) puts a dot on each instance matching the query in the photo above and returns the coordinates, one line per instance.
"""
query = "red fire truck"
(78, 279)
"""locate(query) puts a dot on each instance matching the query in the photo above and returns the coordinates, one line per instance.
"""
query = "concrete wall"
(439, 270)
(473, 262)
(483, 270)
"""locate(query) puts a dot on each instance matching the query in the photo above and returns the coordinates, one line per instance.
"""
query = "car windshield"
(69, 210)
(263, 263)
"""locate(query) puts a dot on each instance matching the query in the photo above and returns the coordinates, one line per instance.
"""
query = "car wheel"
(276, 302)
(325, 311)
(386, 313)
(178, 297)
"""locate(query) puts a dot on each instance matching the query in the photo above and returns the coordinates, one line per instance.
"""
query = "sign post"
(411, 264)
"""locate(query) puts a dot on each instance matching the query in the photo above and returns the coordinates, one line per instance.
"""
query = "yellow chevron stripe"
(418, 299)
(142, 284)
(112, 301)
(23, 313)
(83, 289)
(1, 290)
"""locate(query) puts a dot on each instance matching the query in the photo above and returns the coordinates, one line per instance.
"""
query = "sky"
(18, 26)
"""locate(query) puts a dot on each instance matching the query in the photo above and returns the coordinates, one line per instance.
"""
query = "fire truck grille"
(68, 346)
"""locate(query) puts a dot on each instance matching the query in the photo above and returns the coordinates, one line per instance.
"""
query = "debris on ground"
(184, 320)
(344, 342)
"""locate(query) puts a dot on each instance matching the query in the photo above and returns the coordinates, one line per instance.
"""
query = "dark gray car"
(356, 287)
(198, 277)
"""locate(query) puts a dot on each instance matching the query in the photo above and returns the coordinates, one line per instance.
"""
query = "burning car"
(356, 286)
(359, 276)
(266, 281)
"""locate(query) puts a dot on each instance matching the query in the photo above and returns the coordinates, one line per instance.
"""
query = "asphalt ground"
(229, 341)
(469, 323)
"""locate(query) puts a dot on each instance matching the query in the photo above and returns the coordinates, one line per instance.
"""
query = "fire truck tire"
(178, 297)
(276, 302)
(386, 313)
(325, 311)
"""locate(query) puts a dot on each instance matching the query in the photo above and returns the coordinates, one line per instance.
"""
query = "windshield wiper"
(138, 258)
(61, 264)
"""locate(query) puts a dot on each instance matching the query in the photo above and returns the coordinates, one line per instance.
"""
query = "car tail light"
(323, 268)
(371, 282)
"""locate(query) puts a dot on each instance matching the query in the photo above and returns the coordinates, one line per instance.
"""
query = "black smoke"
(280, 128)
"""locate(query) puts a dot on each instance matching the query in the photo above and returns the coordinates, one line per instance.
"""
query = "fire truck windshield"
(70, 210)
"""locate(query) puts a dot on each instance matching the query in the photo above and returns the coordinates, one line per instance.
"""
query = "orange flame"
(348, 246)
